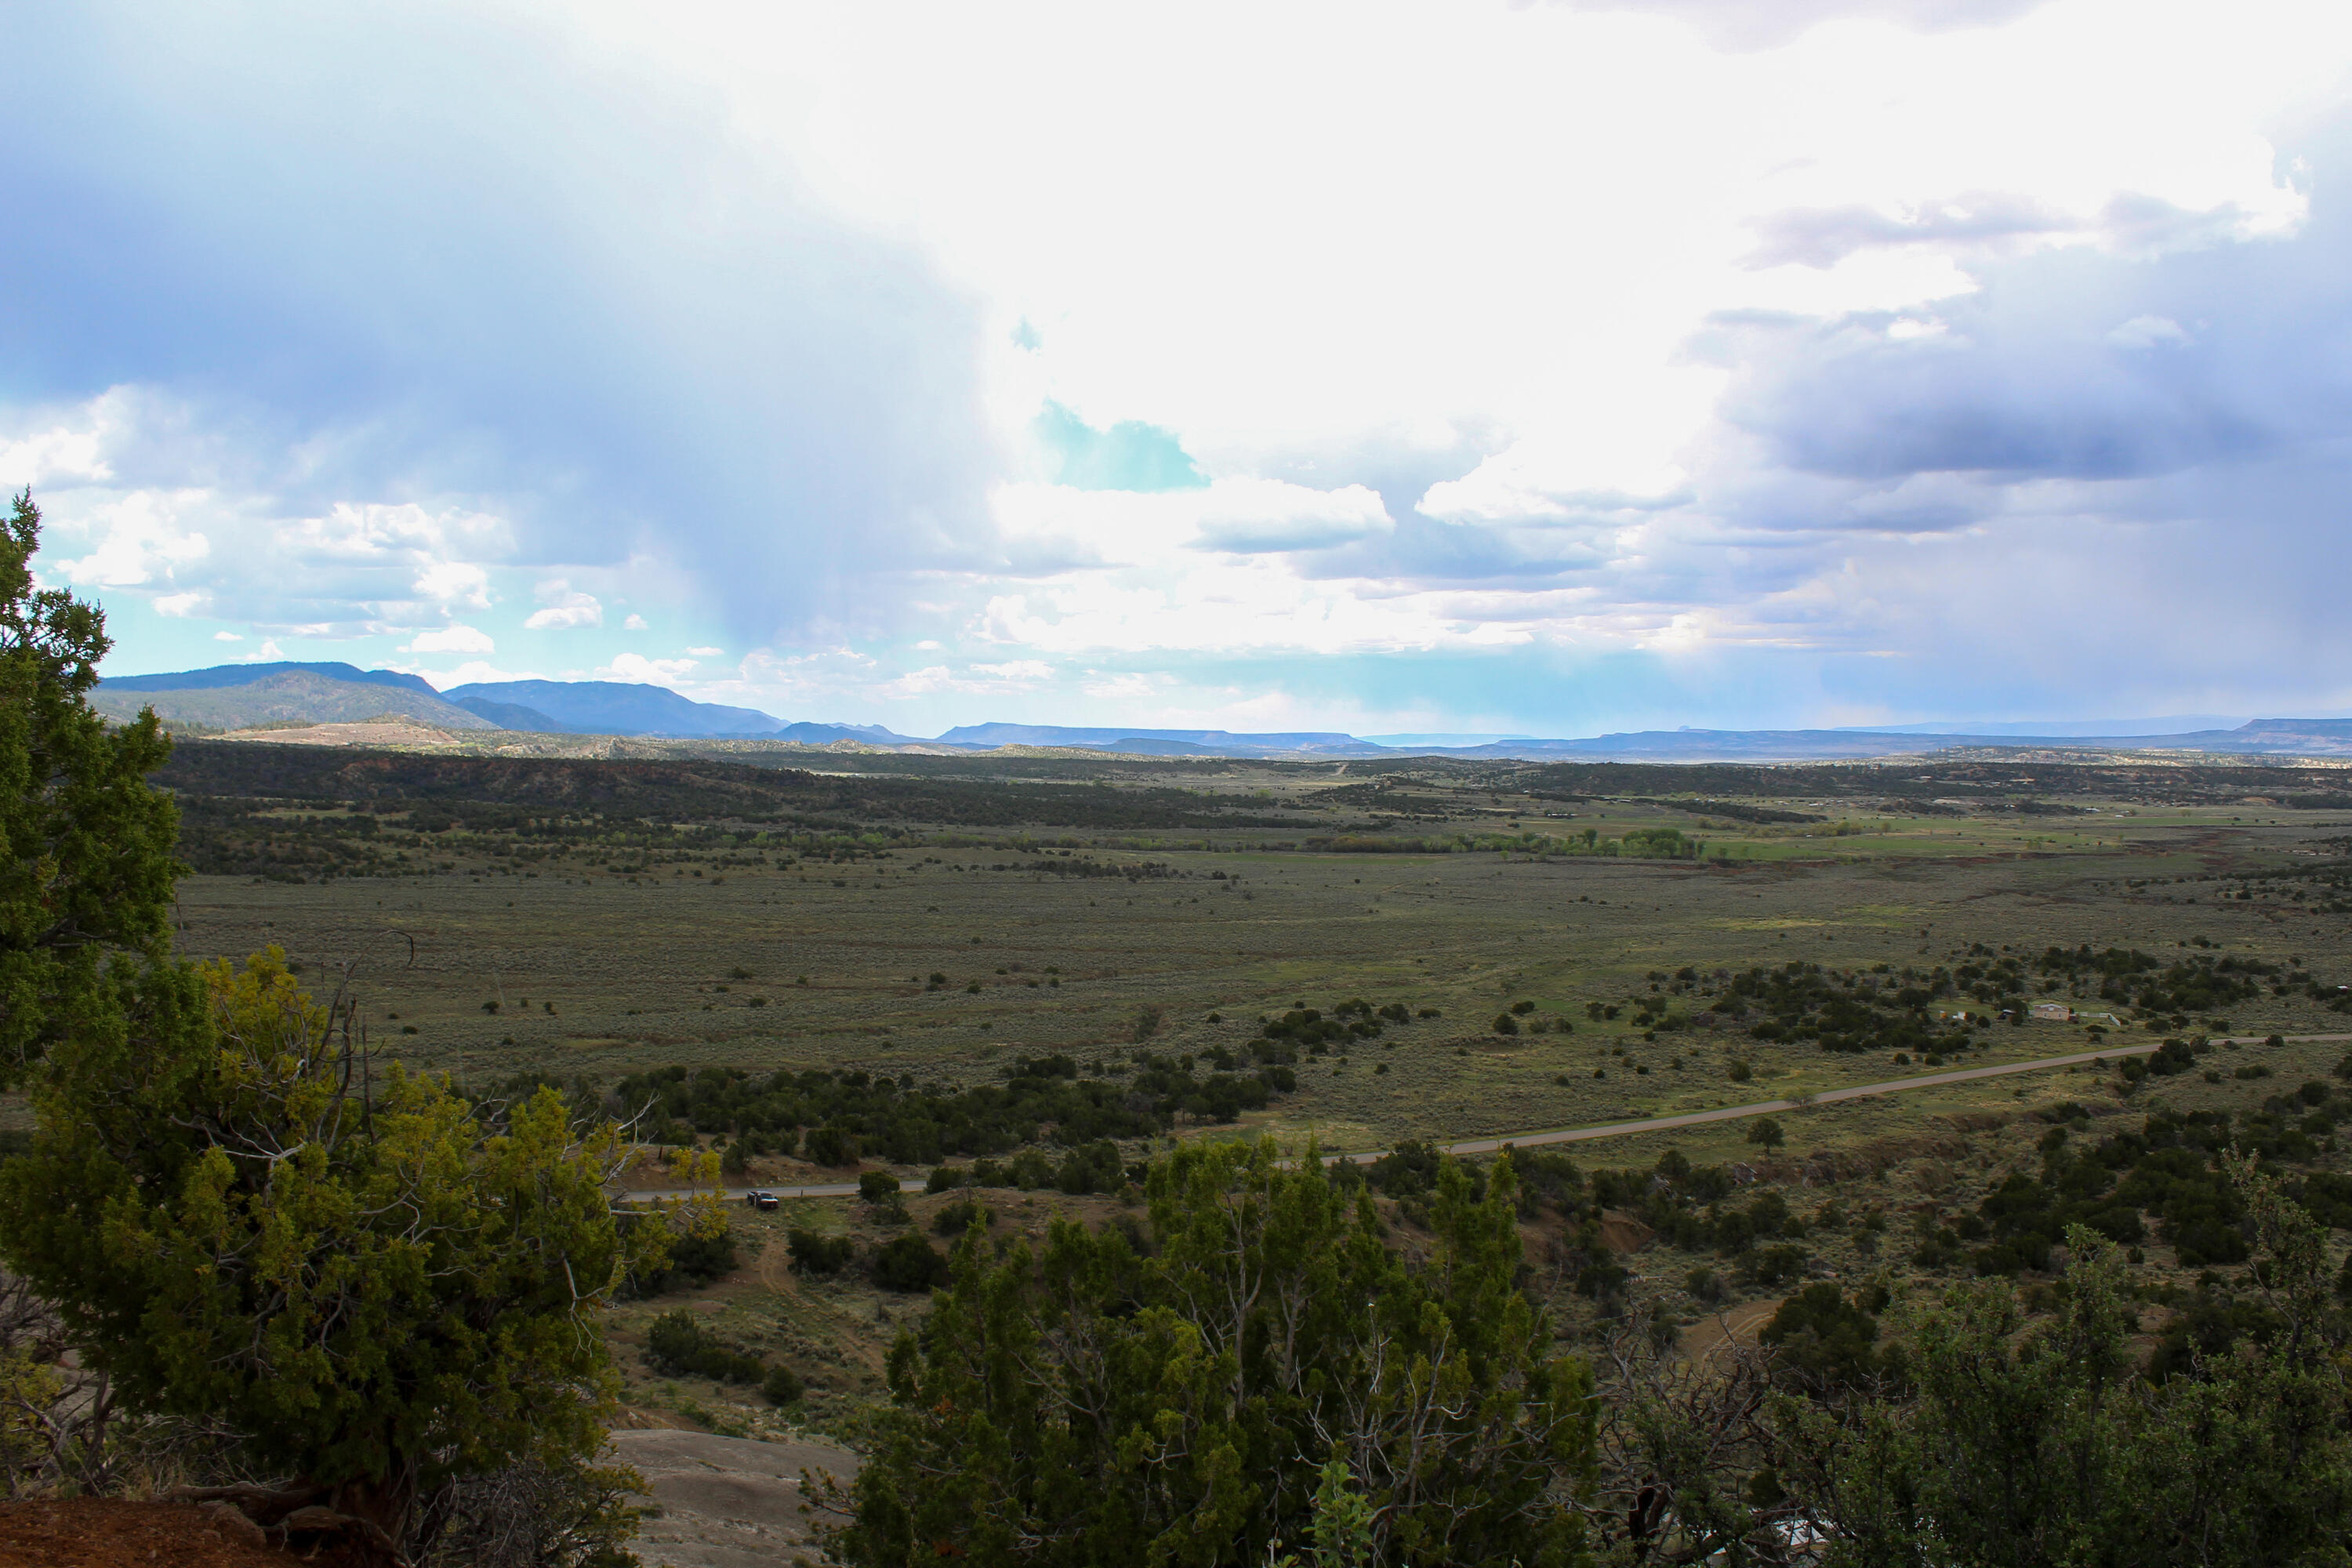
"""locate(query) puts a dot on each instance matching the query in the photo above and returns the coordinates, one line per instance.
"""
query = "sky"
(1543, 369)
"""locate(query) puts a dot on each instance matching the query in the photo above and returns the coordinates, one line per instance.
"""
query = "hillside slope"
(291, 696)
(619, 708)
(220, 675)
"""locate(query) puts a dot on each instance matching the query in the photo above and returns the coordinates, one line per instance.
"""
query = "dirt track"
(1584, 1134)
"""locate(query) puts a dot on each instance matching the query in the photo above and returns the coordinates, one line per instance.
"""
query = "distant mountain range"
(226, 675)
(241, 696)
(281, 694)
(1162, 742)
(605, 708)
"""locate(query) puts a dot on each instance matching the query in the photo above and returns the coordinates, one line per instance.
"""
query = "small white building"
(2055, 1012)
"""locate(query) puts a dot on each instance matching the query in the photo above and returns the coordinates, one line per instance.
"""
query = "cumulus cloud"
(159, 509)
(565, 608)
(451, 639)
(454, 584)
(1823, 236)
(134, 540)
(476, 671)
(635, 666)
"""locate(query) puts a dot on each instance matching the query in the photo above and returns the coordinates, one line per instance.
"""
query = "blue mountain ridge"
(616, 708)
(622, 707)
(221, 675)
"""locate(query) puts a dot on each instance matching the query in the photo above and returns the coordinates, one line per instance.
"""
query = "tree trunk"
(371, 1518)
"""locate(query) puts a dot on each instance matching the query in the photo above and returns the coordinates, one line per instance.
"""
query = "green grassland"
(670, 924)
(933, 920)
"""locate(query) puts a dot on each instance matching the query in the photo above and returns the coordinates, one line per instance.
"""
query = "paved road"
(1607, 1129)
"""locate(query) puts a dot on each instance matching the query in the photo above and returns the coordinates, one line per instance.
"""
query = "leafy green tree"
(1827, 1342)
(909, 1263)
(87, 870)
(2031, 1444)
(1091, 1404)
(1765, 1133)
(387, 1289)
(1342, 1531)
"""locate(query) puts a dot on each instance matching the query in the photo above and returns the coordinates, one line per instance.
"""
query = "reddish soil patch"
(98, 1533)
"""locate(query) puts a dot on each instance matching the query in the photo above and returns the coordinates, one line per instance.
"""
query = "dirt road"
(1606, 1130)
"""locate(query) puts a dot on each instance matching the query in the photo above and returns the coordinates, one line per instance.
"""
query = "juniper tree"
(383, 1288)
(1181, 1405)
(86, 867)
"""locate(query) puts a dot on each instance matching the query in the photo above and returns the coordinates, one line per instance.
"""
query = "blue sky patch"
(1129, 455)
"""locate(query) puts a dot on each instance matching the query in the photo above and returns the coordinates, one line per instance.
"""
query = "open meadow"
(1380, 957)
(945, 949)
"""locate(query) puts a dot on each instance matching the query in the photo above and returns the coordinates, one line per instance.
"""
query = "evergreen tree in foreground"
(385, 1290)
(1186, 1403)
(2042, 1443)
(87, 871)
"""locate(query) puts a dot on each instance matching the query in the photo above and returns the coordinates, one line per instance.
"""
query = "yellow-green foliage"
(30, 1389)
(383, 1286)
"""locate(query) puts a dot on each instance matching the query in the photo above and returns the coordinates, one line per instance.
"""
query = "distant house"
(2056, 1011)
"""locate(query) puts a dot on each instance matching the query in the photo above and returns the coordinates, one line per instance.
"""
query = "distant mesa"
(225, 675)
(281, 694)
(613, 707)
(809, 735)
(243, 695)
(1166, 742)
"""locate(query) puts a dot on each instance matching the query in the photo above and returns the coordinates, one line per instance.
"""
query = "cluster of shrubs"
(1507, 1021)
(1848, 1010)
(2168, 1059)
(1310, 1030)
(1642, 842)
(695, 1259)
(1827, 1342)
(1683, 1203)
(905, 1262)
(1090, 1168)
(836, 1118)
(680, 1346)
(1087, 866)
(2199, 983)
(2168, 1170)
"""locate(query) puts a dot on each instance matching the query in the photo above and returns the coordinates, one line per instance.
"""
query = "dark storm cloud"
(411, 253)
(2117, 469)
(2075, 364)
